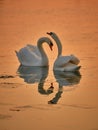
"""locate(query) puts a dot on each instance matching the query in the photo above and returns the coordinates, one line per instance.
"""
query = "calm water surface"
(25, 94)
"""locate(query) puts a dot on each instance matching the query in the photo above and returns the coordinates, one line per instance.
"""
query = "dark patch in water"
(3, 116)
(79, 106)
(5, 104)
(20, 108)
(6, 83)
(39, 107)
(7, 76)
(10, 85)
(14, 109)
(26, 106)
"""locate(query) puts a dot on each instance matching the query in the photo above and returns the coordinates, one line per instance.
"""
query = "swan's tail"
(21, 57)
(74, 60)
(72, 68)
(16, 52)
(77, 69)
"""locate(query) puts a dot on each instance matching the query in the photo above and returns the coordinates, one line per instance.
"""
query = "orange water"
(22, 105)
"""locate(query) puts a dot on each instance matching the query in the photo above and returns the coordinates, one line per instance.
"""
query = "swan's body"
(34, 55)
(64, 63)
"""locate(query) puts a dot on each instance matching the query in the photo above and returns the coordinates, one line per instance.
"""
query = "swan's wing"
(33, 49)
(65, 63)
(28, 58)
(62, 61)
(74, 60)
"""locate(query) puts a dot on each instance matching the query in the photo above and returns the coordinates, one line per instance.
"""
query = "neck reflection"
(64, 79)
(38, 75)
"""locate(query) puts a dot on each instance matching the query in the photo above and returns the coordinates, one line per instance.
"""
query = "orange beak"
(48, 33)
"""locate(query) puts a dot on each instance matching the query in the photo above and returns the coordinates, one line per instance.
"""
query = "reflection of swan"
(33, 75)
(55, 99)
(64, 63)
(34, 55)
(64, 79)
(67, 78)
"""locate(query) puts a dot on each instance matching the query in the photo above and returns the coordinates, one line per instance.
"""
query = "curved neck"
(59, 45)
(42, 52)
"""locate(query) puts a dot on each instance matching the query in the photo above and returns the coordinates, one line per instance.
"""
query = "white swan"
(64, 63)
(34, 55)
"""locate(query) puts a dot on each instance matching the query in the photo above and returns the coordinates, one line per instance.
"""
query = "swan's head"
(44, 39)
(58, 42)
(53, 35)
(50, 33)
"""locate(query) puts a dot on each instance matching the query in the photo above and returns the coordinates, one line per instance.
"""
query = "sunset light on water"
(33, 98)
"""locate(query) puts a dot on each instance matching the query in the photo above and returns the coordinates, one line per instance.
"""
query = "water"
(25, 93)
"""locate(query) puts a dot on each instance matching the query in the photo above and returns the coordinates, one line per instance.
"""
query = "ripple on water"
(9, 85)
(4, 116)
(6, 76)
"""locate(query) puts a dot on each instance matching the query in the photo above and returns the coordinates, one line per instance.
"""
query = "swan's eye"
(51, 33)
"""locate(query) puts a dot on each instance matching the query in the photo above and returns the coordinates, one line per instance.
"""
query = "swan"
(34, 55)
(64, 63)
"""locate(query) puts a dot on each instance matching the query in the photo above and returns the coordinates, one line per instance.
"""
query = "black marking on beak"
(51, 45)
(49, 33)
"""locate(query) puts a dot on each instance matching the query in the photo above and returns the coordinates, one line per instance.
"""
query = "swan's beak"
(48, 33)
(51, 45)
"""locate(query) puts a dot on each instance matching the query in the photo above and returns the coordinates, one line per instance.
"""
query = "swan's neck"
(59, 45)
(42, 52)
